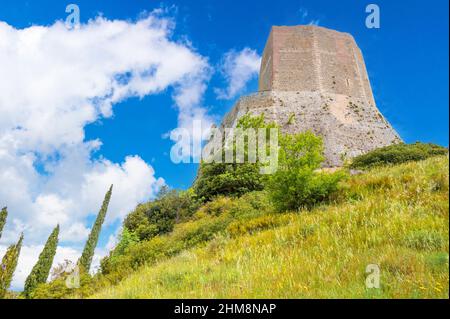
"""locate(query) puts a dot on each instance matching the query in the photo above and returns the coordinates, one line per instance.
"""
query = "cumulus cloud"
(53, 83)
(238, 68)
(69, 78)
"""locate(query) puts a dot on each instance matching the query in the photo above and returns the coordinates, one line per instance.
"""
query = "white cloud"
(53, 83)
(68, 79)
(238, 68)
(75, 233)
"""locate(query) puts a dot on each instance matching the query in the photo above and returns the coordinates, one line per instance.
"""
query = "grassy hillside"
(395, 217)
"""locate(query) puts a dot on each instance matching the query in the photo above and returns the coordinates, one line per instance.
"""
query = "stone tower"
(313, 78)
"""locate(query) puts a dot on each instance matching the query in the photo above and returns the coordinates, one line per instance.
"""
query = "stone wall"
(348, 125)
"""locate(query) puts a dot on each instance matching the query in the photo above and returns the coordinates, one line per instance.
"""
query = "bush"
(398, 153)
(159, 216)
(296, 183)
(215, 179)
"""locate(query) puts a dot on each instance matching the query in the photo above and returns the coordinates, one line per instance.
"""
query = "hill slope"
(396, 218)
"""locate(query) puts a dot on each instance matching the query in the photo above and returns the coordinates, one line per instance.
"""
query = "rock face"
(312, 78)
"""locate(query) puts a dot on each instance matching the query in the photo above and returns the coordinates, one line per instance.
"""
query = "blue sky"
(407, 61)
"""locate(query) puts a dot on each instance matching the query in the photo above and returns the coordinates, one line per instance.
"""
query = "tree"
(233, 179)
(8, 266)
(3, 215)
(297, 183)
(41, 269)
(88, 252)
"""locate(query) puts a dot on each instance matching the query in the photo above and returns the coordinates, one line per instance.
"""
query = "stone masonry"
(312, 78)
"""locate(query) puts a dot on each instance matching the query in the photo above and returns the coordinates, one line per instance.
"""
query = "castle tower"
(310, 58)
(313, 78)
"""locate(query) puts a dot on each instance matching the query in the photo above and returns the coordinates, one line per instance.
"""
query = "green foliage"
(41, 269)
(229, 179)
(159, 216)
(88, 252)
(3, 215)
(398, 153)
(297, 183)
(58, 289)
(233, 179)
(8, 266)
(127, 239)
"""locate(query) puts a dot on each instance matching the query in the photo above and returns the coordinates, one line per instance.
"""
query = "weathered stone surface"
(313, 78)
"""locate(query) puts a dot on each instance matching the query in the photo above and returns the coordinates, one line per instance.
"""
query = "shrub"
(58, 289)
(159, 216)
(217, 207)
(398, 153)
(215, 179)
(297, 183)
(127, 239)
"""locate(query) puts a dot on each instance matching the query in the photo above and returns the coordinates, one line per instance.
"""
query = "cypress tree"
(8, 266)
(41, 269)
(88, 252)
(3, 215)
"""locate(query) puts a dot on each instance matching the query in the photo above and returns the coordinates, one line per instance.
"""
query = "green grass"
(394, 217)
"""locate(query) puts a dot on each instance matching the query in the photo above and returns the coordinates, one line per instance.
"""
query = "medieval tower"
(313, 78)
